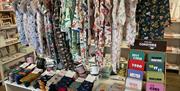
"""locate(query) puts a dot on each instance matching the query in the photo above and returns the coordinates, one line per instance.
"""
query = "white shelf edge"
(20, 86)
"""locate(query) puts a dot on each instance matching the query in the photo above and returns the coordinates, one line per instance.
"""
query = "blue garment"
(20, 27)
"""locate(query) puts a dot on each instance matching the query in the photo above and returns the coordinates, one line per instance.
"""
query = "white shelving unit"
(12, 86)
(13, 59)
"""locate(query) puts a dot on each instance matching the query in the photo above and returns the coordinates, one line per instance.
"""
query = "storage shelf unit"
(13, 60)
(10, 86)
(8, 27)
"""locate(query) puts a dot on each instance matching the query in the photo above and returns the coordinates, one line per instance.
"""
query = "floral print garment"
(49, 29)
(99, 32)
(130, 25)
(19, 22)
(119, 17)
(152, 17)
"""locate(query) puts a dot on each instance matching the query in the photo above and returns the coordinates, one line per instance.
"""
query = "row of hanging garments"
(64, 29)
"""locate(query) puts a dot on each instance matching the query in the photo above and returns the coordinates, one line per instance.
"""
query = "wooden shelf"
(6, 10)
(18, 55)
(10, 44)
(173, 36)
(8, 27)
(173, 67)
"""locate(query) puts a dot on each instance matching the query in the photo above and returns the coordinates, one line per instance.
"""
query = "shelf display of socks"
(29, 76)
(136, 66)
(155, 69)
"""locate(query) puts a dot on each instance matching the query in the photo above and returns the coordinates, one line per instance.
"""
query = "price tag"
(70, 74)
(90, 78)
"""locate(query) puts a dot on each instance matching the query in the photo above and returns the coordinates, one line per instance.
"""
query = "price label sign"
(153, 45)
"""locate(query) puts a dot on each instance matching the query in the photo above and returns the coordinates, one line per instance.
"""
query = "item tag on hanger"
(70, 74)
(90, 78)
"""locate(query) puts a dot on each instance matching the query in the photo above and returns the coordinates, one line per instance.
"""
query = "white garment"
(119, 17)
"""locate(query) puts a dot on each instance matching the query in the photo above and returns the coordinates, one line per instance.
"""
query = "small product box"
(136, 65)
(136, 55)
(132, 83)
(135, 74)
(156, 57)
(155, 66)
(150, 86)
(155, 76)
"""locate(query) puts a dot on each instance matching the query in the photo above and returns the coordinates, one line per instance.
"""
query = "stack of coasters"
(155, 72)
(136, 65)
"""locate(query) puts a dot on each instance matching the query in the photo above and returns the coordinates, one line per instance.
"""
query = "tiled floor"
(172, 79)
